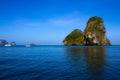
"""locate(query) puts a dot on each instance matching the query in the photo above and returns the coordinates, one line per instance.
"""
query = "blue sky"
(47, 22)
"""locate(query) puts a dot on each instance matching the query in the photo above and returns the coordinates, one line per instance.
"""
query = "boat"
(7, 45)
(28, 45)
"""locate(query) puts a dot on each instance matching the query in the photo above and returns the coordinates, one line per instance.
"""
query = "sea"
(58, 62)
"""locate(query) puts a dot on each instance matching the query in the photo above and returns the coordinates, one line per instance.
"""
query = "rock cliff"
(76, 37)
(94, 34)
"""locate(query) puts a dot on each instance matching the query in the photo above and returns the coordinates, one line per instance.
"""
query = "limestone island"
(5, 43)
(94, 34)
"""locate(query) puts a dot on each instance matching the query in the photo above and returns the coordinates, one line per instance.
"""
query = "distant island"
(5, 43)
(94, 34)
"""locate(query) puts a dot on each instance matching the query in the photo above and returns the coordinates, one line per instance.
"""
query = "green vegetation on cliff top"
(95, 18)
(76, 37)
(95, 24)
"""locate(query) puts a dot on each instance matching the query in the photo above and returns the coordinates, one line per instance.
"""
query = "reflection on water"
(74, 56)
(60, 63)
(95, 58)
(90, 59)
(74, 53)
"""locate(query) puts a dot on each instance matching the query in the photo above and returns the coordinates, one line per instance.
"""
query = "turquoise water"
(60, 63)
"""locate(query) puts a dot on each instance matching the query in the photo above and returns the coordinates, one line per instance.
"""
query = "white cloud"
(68, 20)
(61, 22)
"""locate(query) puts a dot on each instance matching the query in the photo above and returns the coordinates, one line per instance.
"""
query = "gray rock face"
(95, 32)
(3, 42)
(90, 39)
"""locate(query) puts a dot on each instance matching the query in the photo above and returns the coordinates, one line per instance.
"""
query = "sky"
(48, 22)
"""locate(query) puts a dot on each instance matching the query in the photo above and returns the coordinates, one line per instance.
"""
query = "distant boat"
(28, 45)
(7, 45)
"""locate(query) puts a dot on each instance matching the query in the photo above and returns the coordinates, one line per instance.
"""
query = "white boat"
(7, 45)
(28, 45)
